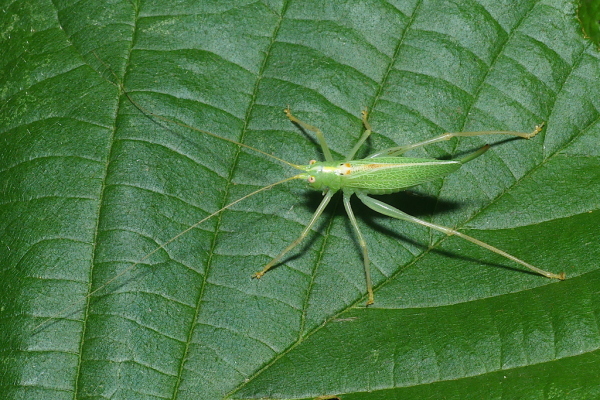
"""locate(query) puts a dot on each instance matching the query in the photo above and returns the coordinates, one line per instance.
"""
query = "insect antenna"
(72, 307)
(183, 124)
(145, 111)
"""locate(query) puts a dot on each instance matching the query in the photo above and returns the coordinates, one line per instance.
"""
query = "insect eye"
(311, 162)
(311, 179)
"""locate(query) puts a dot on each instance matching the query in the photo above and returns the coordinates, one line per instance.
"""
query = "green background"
(89, 184)
(588, 13)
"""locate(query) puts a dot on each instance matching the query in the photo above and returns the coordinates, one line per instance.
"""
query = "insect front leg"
(317, 131)
(363, 246)
(296, 242)
(396, 151)
(393, 212)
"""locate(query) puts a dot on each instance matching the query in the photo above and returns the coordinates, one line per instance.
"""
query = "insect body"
(383, 173)
(380, 175)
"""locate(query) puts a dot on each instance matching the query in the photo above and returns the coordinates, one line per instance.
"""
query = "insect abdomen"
(391, 174)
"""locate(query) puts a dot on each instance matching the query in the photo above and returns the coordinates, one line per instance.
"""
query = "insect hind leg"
(393, 212)
(396, 151)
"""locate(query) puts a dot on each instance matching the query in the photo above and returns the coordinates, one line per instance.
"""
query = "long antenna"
(71, 307)
(119, 84)
(183, 124)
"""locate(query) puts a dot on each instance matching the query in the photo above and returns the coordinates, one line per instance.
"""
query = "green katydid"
(383, 172)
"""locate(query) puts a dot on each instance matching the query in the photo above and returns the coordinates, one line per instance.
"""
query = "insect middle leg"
(363, 246)
(363, 137)
(321, 137)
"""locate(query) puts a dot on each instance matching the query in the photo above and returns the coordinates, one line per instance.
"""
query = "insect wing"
(391, 174)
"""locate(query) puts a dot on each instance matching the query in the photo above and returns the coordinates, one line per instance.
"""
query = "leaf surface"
(92, 184)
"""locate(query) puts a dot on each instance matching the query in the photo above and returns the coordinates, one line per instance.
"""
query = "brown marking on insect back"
(347, 169)
(376, 166)
(399, 165)
(343, 169)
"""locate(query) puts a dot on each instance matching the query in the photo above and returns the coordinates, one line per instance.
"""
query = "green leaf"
(91, 184)
(588, 13)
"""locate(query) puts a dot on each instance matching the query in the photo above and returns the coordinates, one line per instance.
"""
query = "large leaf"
(91, 184)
